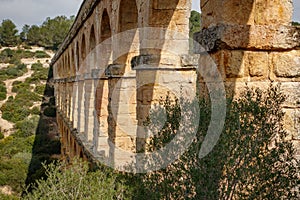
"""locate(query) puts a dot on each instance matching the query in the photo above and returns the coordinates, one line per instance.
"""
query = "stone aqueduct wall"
(107, 73)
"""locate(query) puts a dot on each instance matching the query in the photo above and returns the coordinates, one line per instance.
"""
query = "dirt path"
(6, 127)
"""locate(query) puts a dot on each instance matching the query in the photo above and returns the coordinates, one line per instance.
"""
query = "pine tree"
(8, 33)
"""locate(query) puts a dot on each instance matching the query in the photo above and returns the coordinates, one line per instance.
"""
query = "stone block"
(234, 64)
(286, 64)
(292, 92)
(260, 12)
(258, 64)
(292, 123)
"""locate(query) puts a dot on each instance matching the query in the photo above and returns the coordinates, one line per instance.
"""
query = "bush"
(3, 91)
(15, 156)
(18, 109)
(40, 73)
(41, 54)
(35, 111)
(6, 55)
(13, 71)
(37, 66)
(252, 159)
(27, 127)
(14, 114)
(76, 182)
(40, 89)
(19, 86)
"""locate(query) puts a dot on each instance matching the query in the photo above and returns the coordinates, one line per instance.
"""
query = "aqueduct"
(121, 56)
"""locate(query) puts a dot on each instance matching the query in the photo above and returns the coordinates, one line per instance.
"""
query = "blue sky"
(36, 11)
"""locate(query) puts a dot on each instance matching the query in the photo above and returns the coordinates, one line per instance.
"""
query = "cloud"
(36, 11)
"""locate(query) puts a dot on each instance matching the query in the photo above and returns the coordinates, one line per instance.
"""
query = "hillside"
(28, 134)
(7, 126)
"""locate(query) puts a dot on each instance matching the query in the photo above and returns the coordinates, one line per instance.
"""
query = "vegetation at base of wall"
(252, 159)
(77, 182)
(3, 91)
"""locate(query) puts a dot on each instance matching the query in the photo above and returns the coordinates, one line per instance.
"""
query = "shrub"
(27, 127)
(15, 156)
(35, 110)
(18, 109)
(252, 159)
(3, 91)
(37, 66)
(40, 73)
(14, 113)
(6, 55)
(41, 54)
(76, 182)
(40, 89)
(13, 71)
(19, 86)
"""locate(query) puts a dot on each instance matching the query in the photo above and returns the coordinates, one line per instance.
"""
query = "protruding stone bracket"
(151, 62)
(271, 37)
(114, 71)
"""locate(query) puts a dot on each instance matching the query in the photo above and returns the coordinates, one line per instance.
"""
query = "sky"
(36, 11)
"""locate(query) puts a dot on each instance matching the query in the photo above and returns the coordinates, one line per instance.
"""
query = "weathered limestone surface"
(112, 68)
(253, 44)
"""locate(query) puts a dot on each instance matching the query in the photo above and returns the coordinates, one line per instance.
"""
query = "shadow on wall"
(46, 147)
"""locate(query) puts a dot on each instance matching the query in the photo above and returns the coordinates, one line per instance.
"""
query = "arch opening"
(83, 50)
(92, 38)
(105, 26)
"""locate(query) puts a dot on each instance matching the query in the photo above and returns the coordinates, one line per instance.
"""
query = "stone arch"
(92, 43)
(77, 56)
(64, 64)
(105, 26)
(82, 50)
(128, 15)
(73, 67)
